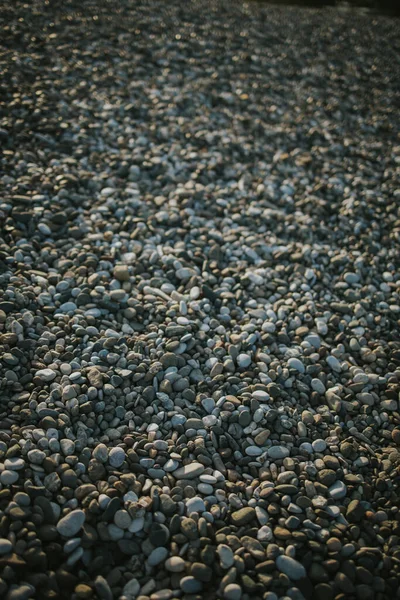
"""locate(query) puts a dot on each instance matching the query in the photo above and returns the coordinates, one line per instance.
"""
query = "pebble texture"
(199, 302)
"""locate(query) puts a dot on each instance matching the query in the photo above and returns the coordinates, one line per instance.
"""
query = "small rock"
(69, 525)
(290, 567)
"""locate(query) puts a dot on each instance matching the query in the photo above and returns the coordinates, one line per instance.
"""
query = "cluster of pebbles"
(199, 303)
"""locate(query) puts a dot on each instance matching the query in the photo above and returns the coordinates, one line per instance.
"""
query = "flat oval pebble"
(175, 564)
(195, 504)
(189, 471)
(69, 525)
(116, 457)
(232, 592)
(190, 585)
(290, 567)
(157, 556)
(295, 363)
(46, 374)
(278, 452)
(226, 556)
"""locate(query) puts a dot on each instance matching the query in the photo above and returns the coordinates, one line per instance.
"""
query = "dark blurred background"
(390, 7)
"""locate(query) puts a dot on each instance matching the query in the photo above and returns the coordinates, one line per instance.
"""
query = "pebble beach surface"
(199, 302)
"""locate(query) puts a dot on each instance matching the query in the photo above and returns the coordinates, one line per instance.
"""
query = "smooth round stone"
(243, 361)
(170, 465)
(156, 473)
(361, 378)
(261, 396)
(46, 374)
(314, 340)
(130, 497)
(295, 363)
(67, 447)
(69, 525)
(115, 532)
(122, 519)
(351, 278)
(36, 456)
(290, 567)
(175, 564)
(307, 447)
(210, 479)
(185, 273)
(8, 477)
(319, 445)
(5, 546)
(209, 420)
(100, 453)
(278, 452)
(244, 418)
(190, 585)
(160, 445)
(243, 516)
(302, 429)
(195, 504)
(333, 511)
(68, 307)
(253, 451)
(189, 471)
(208, 404)
(226, 556)
(264, 534)
(104, 501)
(322, 327)
(136, 525)
(318, 386)
(262, 515)
(178, 420)
(131, 589)
(258, 415)
(205, 489)
(232, 592)
(338, 490)
(334, 364)
(116, 457)
(157, 556)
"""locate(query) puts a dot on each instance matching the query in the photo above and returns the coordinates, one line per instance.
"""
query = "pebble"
(290, 567)
(46, 375)
(175, 564)
(199, 303)
(338, 490)
(116, 457)
(8, 477)
(334, 364)
(157, 556)
(319, 445)
(232, 592)
(295, 363)
(131, 589)
(225, 556)
(195, 504)
(278, 452)
(190, 585)
(243, 516)
(189, 471)
(5, 546)
(69, 525)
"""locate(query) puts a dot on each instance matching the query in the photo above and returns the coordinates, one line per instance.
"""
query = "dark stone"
(159, 534)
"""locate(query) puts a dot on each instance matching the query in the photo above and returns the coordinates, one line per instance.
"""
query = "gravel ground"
(199, 304)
